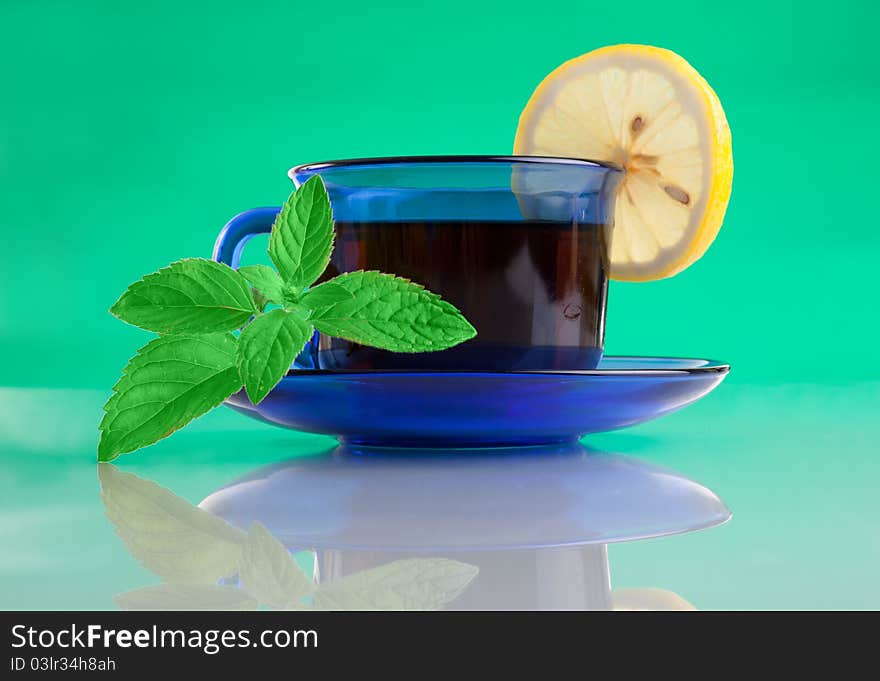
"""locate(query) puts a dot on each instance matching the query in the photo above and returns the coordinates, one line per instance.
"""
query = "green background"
(130, 132)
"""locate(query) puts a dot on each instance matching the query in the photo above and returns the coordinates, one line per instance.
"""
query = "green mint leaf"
(172, 538)
(392, 313)
(168, 383)
(265, 280)
(302, 236)
(326, 294)
(267, 348)
(409, 584)
(185, 597)
(269, 573)
(193, 295)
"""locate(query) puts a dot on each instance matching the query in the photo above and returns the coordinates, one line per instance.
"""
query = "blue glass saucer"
(480, 409)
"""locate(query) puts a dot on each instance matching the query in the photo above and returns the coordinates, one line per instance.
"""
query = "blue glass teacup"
(518, 244)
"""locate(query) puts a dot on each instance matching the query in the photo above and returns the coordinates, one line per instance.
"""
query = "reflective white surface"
(796, 464)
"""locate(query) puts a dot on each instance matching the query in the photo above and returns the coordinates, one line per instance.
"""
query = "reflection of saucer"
(453, 501)
(522, 528)
(483, 409)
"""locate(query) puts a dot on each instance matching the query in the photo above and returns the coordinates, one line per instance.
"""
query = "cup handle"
(236, 233)
(230, 242)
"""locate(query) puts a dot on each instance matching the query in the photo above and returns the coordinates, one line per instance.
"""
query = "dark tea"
(534, 290)
(518, 244)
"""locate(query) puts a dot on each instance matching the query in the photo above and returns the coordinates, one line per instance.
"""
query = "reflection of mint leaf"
(302, 236)
(189, 296)
(185, 597)
(328, 293)
(409, 584)
(393, 314)
(191, 550)
(169, 536)
(171, 381)
(265, 280)
(269, 573)
(267, 348)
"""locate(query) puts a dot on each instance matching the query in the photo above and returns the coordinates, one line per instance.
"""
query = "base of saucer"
(452, 442)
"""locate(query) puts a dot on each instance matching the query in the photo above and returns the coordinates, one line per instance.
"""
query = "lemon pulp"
(648, 110)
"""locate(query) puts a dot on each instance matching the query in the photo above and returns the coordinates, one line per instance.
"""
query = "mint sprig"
(188, 296)
(198, 305)
(302, 237)
(266, 281)
(389, 312)
(168, 383)
(267, 348)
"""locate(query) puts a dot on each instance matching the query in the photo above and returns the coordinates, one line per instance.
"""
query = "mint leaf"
(168, 383)
(193, 295)
(269, 573)
(265, 280)
(185, 597)
(409, 584)
(302, 236)
(172, 538)
(326, 294)
(267, 348)
(392, 313)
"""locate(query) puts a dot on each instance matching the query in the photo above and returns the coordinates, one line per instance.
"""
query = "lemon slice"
(648, 110)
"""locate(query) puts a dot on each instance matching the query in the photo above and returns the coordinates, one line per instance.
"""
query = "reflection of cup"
(519, 245)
